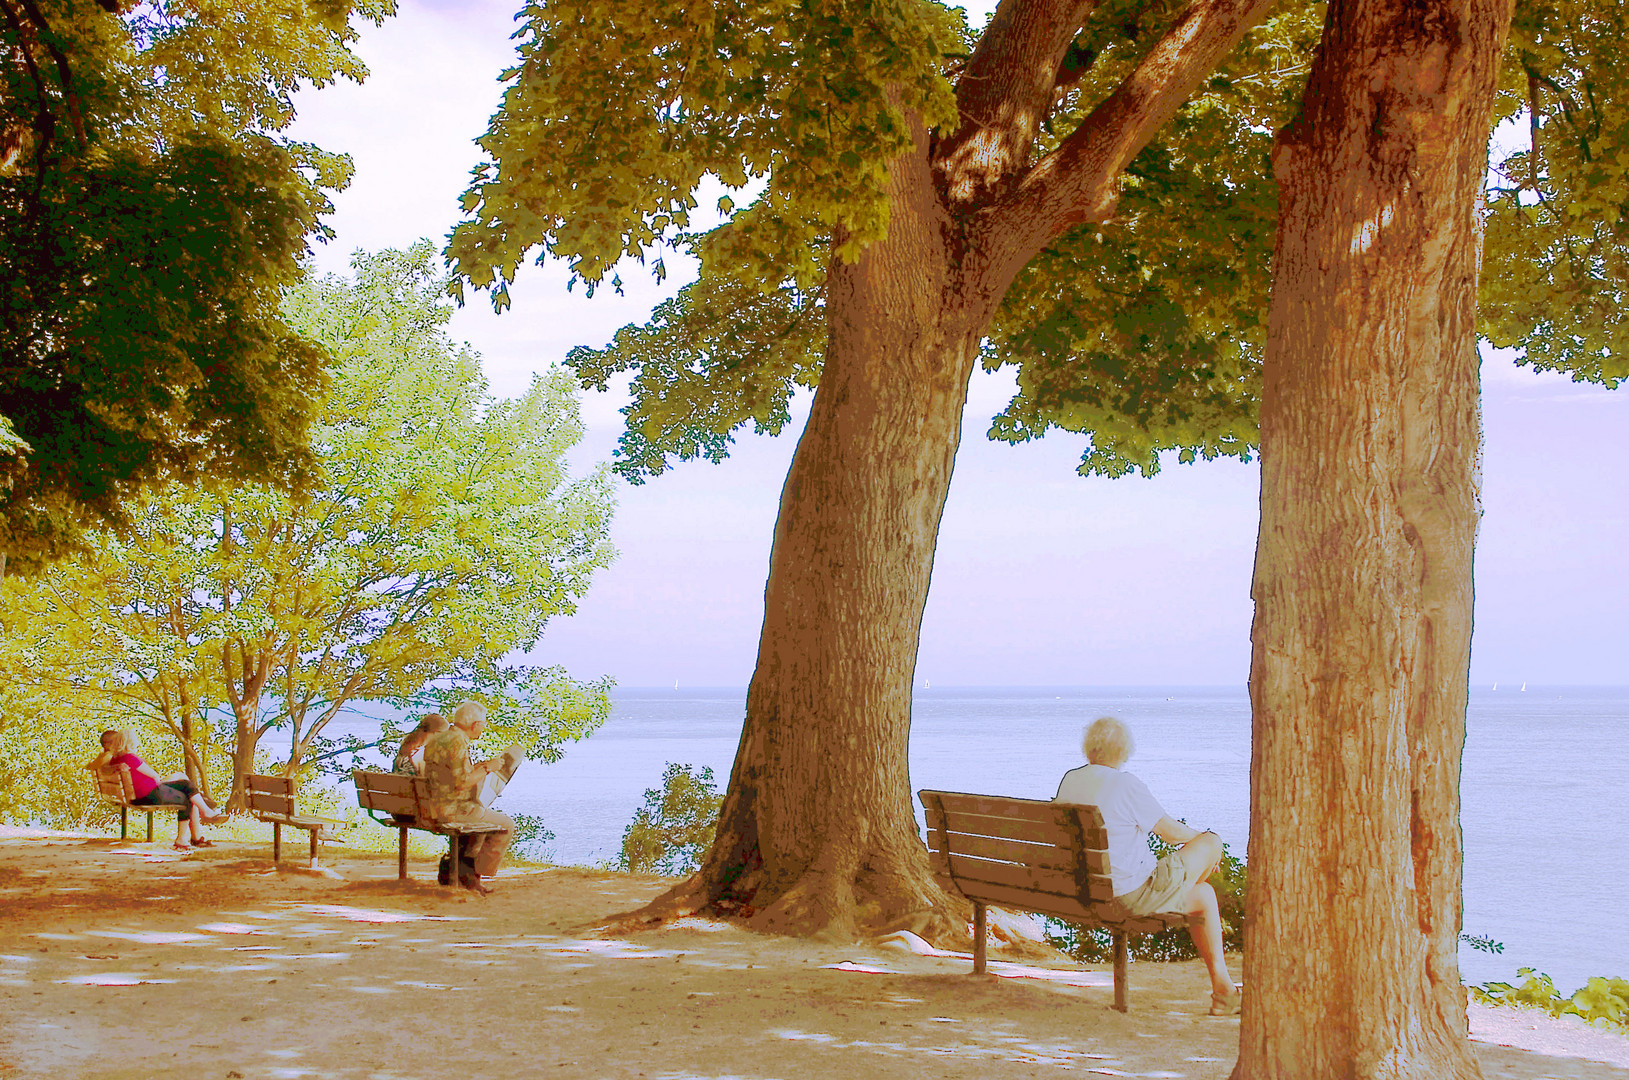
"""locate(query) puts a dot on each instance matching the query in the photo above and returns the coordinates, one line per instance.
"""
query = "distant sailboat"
(675, 684)
(1496, 686)
(1524, 688)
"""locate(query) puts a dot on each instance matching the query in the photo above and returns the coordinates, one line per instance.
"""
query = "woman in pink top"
(119, 748)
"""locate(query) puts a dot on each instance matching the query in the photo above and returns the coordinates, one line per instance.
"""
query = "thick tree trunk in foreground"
(1369, 444)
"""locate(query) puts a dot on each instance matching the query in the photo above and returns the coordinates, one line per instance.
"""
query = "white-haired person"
(1178, 883)
(147, 788)
(454, 783)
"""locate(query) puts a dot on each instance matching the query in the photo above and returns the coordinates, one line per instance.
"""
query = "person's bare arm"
(1173, 831)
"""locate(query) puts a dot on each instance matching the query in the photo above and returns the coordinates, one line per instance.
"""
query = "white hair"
(1108, 742)
(469, 714)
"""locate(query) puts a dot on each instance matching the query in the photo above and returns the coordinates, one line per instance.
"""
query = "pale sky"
(1042, 577)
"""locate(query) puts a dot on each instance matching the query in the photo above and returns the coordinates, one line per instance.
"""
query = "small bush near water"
(675, 827)
(1601, 1001)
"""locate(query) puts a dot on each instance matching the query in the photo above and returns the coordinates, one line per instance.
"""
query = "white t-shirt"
(1129, 812)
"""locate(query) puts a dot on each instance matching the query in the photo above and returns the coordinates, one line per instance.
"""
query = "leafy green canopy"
(1173, 288)
(1144, 333)
(617, 111)
(150, 215)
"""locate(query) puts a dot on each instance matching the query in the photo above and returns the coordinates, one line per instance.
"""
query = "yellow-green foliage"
(1602, 1001)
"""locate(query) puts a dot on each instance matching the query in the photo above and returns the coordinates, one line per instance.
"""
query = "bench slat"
(1037, 823)
(1038, 879)
(999, 806)
(1053, 833)
(269, 785)
(1012, 851)
(1052, 858)
(1017, 899)
(260, 802)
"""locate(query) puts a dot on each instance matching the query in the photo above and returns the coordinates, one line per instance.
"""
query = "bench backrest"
(113, 784)
(270, 795)
(389, 793)
(1040, 856)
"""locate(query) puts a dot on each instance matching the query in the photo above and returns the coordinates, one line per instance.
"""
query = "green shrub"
(532, 838)
(675, 827)
(1094, 945)
(1601, 1001)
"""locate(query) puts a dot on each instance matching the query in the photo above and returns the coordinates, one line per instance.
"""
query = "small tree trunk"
(1361, 642)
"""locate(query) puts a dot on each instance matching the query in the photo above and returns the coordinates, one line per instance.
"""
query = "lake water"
(1545, 789)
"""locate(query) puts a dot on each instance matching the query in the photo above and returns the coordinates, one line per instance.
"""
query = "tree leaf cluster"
(1556, 262)
(616, 112)
(150, 215)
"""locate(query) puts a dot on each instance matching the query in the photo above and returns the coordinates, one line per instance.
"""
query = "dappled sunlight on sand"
(1001, 968)
(356, 914)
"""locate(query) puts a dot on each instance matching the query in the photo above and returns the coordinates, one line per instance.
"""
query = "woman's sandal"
(180, 847)
(203, 841)
(1227, 1004)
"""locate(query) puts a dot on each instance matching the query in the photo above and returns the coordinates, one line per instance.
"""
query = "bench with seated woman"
(192, 809)
(1177, 884)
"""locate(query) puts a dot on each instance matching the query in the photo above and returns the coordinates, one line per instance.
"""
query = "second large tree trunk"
(1361, 643)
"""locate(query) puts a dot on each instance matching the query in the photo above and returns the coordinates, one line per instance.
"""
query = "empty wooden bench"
(113, 787)
(271, 799)
(1045, 857)
(404, 799)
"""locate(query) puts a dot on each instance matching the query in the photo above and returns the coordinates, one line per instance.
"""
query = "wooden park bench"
(1045, 857)
(403, 799)
(271, 799)
(113, 787)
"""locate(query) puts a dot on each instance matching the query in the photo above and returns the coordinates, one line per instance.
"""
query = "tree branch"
(1004, 94)
(1079, 181)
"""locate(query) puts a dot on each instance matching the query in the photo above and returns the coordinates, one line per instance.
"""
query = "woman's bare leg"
(1205, 927)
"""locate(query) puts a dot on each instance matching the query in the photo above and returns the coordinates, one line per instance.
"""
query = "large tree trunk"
(1369, 446)
(817, 833)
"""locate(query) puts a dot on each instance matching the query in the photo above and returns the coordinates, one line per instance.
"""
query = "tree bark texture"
(1370, 439)
(817, 833)
(818, 819)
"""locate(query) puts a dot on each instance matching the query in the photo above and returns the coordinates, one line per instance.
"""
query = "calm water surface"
(1546, 782)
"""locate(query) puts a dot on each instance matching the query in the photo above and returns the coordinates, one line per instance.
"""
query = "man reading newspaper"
(457, 792)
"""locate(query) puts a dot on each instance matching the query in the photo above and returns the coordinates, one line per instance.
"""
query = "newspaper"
(502, 772)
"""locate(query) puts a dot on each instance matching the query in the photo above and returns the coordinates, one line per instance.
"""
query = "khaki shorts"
(1165, 891)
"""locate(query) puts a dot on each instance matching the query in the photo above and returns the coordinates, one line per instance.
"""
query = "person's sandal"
(203, 841)
(1227, 1004)
(181, 847)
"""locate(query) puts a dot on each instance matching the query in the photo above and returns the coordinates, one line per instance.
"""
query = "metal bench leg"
(277, 842)
(455, 851)
(124, 824)
(314, 863)
(401, 854)
(149, 828)
(1120, 957)
(978, 937)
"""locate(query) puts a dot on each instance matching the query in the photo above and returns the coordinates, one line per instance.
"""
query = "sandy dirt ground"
(124, 960)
